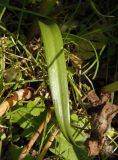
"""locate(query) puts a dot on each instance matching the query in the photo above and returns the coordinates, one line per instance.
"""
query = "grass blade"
(3, 8)
(97, 11)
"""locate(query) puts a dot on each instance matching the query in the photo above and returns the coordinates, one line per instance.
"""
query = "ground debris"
(100, 124)
(95, 100)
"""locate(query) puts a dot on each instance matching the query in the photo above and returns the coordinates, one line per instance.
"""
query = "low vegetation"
(58, 80)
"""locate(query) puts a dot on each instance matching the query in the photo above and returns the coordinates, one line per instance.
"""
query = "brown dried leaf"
(101, 122)
(93, 98)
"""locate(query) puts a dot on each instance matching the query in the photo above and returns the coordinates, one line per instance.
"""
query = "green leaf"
(74, 117)
(36, 107)
(26, 115)
(112, 87)
(55, 59)
(64, 149)
(13, 153)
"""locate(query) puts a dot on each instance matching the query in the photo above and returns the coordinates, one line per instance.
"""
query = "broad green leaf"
(36, 107)
(26, 115)
(53, 45)
(22, 118)
(112, 87)
(64, 149)
(14, 151)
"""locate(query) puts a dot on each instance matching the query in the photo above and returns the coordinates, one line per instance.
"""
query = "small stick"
(14, 98)
(28, 147)
(48, 144)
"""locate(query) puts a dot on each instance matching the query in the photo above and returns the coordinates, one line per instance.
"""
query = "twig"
(48, 144)
(28, 147)
(14, 98)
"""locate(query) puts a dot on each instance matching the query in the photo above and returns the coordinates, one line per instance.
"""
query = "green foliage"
(78, 45)
(26, 115)
(86, 45)
(67, 151)
(13, 153)
(111, 87)
(57, 74)
(64, 149)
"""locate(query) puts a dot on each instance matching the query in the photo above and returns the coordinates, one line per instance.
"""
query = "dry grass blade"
(27, 148)
(48, 144)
